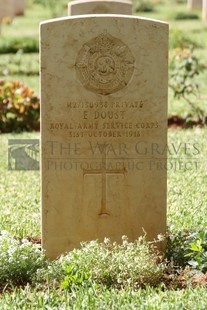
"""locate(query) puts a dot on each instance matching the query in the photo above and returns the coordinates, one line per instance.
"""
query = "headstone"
(7, 9)
(204, 10)
(81, 7)
(1, 14)
(19, 7)
(194, 4)
(103, 129)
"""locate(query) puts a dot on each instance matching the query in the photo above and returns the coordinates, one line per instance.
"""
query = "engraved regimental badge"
(105, 64)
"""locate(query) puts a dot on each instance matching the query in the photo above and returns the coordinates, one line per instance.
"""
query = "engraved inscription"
(105, 64)
(104, 172)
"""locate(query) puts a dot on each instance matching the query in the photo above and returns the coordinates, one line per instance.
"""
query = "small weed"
(121, 266)
(188, 248)
(76, 277)
(19, 261)
(198, 251)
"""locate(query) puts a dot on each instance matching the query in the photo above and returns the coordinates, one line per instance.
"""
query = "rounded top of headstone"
(81, 7)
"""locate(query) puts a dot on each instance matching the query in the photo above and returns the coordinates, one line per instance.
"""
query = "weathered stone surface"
(103, 129)
(81, 7)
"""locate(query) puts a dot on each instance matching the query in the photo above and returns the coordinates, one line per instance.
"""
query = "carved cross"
(104, 172)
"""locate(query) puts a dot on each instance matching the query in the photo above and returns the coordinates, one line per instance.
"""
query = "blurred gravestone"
(19, 7)
(103, 129)
(194, 4)
(7, 10)
(204, 12)
(81, 7)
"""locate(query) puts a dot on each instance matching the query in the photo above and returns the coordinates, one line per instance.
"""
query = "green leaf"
(193, 263)
(64, 284)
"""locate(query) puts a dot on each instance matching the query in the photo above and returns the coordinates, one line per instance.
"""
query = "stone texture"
(204, 11)
(194, 4)
(19, 7)
(81, 7)
(103, 129)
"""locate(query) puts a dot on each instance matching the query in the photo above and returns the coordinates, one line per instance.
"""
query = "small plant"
(19, 108)
(19, 261)
(184, 66)
(76, 277)
(143, 6)
(198, 252)
(177, 247)
(188, 248)
(127, 265)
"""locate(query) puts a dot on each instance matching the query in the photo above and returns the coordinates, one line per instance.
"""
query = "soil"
(176, 121)
(199, 280)
(34, 240)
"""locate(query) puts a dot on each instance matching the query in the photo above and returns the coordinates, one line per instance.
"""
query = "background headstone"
(204, 11)
(194, 4)
(103, 129)
(7, 9)
(81, 7)
(19, 7)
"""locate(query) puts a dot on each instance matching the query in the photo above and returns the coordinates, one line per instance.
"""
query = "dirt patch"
(34, 240)
(201, 279)
(177, 121)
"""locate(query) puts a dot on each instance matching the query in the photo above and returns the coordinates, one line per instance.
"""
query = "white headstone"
(103, 129)
(80, 7)
(7, 9)
(194, 4)
(19, 7)
(204, 10)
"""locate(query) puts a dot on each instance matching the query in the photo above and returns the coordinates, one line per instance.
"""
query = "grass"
(14, 203)
(187, 192)
(27, 25)
(149, 299)
(165, 10)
